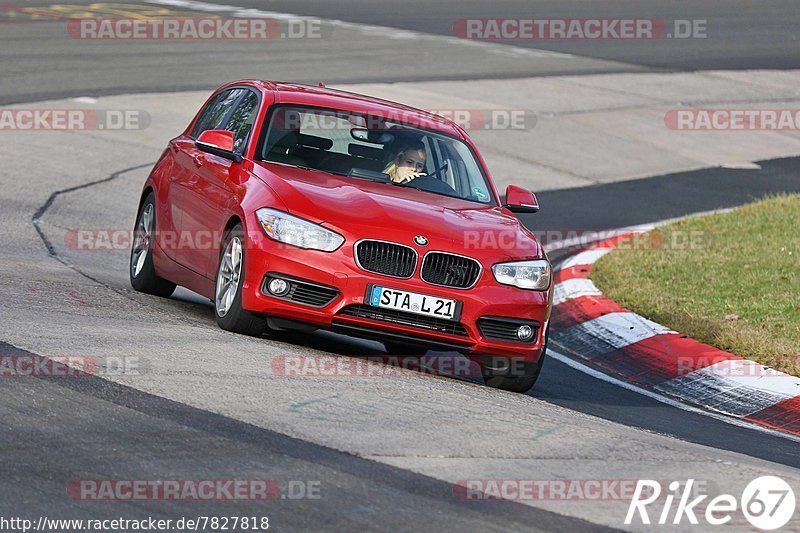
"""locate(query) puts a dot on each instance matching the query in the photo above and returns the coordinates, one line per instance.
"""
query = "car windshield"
(375, 148)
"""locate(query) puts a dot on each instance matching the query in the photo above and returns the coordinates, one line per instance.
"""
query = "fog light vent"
(298, 290)
(509, 329)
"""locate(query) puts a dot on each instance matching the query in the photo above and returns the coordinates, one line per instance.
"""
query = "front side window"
(241, 121)
(375, 147)
(213, 116)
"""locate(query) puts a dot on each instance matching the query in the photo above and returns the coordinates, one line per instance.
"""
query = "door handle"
(198, 160)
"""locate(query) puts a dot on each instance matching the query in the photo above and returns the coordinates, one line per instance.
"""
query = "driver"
(408, 164)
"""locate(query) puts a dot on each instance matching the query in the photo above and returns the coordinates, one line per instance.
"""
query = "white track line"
(585, 258)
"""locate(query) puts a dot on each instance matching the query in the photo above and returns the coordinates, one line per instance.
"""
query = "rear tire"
(141, 269)
(228, 288)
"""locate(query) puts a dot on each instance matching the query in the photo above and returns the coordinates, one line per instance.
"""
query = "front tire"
(515, 377)
(228, 292)
(141, 268)
(510, 374)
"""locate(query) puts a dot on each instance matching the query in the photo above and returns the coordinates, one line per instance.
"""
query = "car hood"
(363, 209)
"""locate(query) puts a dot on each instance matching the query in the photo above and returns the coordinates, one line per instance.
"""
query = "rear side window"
(241, 121)
(215, 112)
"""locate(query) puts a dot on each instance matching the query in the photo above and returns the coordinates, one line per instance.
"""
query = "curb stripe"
(618, 330)
(583, 309)
(649, 362)
(680, 354)
(757, 376)
(783, 416)
(662, 358)
(574, 288)
(576, 272)
(720, 393)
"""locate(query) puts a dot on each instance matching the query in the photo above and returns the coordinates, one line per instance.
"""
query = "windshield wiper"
(430, 191)
(369, 175)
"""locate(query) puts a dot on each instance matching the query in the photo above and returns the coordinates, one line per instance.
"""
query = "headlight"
(292, 230)
(524, 274)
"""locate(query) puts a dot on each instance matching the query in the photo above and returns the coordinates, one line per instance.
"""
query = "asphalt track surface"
(204, 445)
(54, 428)
(746, 35)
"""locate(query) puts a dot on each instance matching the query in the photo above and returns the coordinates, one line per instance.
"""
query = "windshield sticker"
(480, 194)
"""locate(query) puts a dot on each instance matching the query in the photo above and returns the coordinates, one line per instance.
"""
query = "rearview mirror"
(519, 200)
(218, 142)
(371, 136)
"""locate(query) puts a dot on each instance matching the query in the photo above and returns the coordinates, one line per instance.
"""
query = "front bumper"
(348, 312)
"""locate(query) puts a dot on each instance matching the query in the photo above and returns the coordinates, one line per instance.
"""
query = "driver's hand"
(406, 174)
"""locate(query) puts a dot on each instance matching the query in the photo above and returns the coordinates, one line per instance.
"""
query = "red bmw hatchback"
(298, 207)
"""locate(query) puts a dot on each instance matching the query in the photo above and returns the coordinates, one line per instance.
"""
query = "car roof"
(297, 93)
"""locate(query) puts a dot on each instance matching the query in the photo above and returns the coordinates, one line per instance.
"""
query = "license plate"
(412, 302)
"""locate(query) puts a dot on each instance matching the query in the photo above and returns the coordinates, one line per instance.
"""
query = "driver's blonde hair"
(391, 168)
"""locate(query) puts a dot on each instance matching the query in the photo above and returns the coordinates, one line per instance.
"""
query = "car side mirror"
(218, 142)
(519, 200)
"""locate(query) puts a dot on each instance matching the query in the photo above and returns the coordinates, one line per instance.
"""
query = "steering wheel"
(427, 183)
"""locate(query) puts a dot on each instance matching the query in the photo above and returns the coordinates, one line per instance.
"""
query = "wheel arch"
(145, 193)
(233, 220)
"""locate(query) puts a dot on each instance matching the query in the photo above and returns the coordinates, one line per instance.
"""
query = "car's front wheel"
(141, 269)
(513, 375)
(228, 292)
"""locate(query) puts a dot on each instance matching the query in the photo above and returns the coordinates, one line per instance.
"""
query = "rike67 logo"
(767, 503)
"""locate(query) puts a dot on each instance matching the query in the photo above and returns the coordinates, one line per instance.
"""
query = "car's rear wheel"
(511, 374)
(228, 291)
(141, 269)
